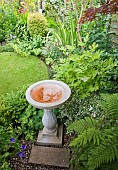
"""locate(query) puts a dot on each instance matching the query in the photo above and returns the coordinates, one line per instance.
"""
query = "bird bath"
(48, 94)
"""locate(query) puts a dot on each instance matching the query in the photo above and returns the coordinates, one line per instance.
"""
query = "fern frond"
(81, 125)
(103, 153)
(77, 126)
(97, 141)
(111, 131)
(110, 104)
(92, 135)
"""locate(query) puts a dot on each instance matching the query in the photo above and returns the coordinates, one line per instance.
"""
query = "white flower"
(90, 108)
(94, 114)
(85, 78)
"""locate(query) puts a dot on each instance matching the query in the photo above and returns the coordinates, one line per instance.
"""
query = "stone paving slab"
(50, 156)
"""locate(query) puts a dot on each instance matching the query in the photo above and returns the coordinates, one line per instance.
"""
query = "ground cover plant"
(6, 48)
(17, 71)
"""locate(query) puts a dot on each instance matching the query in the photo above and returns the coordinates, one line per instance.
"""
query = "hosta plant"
(28, 46)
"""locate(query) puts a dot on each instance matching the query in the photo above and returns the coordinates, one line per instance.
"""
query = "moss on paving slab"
(17, 71)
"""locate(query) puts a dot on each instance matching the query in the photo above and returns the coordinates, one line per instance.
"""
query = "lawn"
(17, 71)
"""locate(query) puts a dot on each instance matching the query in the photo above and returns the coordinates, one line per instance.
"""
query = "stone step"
(50, 156)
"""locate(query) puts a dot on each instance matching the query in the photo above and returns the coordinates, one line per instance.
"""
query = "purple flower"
(21, 154)
(12, 140)
(23, 147)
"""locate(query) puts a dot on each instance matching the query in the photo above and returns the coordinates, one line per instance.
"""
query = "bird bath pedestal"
(48, 94)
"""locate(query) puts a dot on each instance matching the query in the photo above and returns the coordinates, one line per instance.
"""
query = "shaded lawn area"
(17, 71)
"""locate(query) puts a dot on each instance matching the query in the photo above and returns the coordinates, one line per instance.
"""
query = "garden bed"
(21, 163)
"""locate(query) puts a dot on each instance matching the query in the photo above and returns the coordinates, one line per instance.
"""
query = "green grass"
(17, 71)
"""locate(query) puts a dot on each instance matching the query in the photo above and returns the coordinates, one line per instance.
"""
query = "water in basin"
(47, 93)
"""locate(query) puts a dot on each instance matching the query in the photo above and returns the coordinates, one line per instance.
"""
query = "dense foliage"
(28, 46)
(64, 35)
(19, 120)
(6, 48)
(96, 141)
(110, 7)
(76, 108)
(8, 20)
(98, 31)
(16, 111)
(85, 73)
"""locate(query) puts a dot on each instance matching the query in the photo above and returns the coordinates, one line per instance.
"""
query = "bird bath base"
(54, 138)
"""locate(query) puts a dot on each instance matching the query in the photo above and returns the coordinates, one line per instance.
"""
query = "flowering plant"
(9, 146)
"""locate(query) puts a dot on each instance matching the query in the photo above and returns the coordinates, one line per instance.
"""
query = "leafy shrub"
(21, 31)
(8, 19)
(76, 108)
(26, 47)
(54, 9)
(85, 73)
(36, 24)
(109, 7)
(96, 141)
(52, 52)
(16, 111)
(2, 27)
(98, 31)
(11, 20)
(114, 31)
(6, 48)
(7, 149)
(18, 120)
